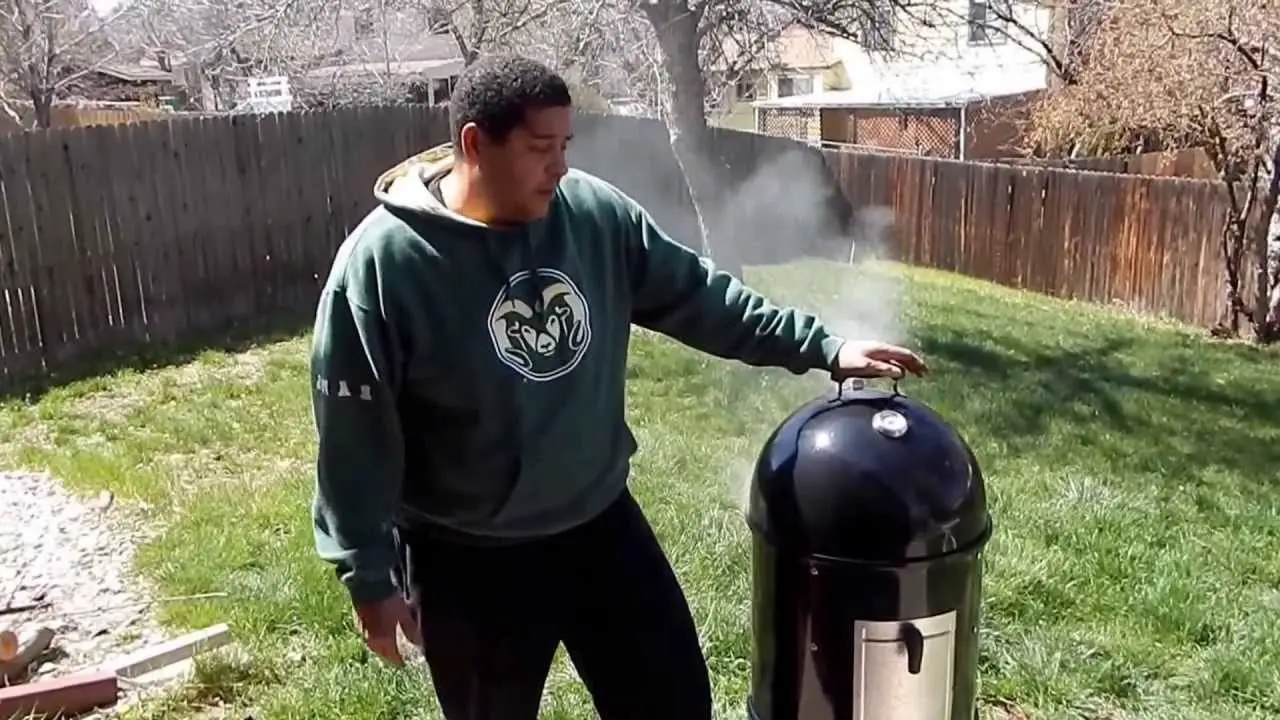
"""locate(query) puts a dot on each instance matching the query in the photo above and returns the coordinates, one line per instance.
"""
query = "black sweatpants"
(493, 617)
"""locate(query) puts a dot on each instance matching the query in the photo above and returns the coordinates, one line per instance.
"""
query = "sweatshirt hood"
(404, 186)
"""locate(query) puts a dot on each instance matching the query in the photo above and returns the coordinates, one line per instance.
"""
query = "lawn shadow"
(237, 338)
(1198, 407)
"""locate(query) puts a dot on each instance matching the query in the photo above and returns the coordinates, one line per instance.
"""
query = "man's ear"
(469, 138)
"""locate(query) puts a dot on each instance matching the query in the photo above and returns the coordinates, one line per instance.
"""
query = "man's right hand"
(378, 622)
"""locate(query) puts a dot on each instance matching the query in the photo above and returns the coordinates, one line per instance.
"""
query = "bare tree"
(689, 33)
(605, 46)
(1071, 35)
(692, 37)
(1167, 74)
(336, 52)
(45, 45)
(480, 26)
(375, 52)
(227, 40)
(1063, 44)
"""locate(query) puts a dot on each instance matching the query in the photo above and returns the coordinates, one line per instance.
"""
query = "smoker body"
(869, 519)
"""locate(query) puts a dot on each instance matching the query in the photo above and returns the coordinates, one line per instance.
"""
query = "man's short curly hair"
(496, 91)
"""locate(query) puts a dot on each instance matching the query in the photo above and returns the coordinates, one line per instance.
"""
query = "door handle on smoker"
(913, 640)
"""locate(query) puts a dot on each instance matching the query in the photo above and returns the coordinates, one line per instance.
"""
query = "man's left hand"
(867, 359)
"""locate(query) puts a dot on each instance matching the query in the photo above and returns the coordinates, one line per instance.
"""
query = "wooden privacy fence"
(116, 236)
(68, 116)
(119, 235)
(1189, 163)
(1150, 244)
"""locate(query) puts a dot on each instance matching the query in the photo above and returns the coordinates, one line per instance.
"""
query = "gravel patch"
(70, 558)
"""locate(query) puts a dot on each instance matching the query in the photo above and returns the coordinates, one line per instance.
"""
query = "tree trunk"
(1264, 321)
(676, 27)
(42, 105)
(1273, 308)
(1242, 185)
(1233, 234)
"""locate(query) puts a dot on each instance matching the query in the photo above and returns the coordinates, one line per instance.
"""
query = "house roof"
(132, 72)
(137, 66)
(424, 69)
(924, 87)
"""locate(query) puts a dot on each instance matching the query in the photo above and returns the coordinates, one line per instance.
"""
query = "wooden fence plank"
(190, 223)
(95, 286)
(168, 315)
(271, 176)
(24, 354)
(252, 259)
(227, 247)
(302, 182)
(48, 178)
(998, 218)
(9, 352)
(127, 231)
(99, 142)
(81, 266)
(316, 233)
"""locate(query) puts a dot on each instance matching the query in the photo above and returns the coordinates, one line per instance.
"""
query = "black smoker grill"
(870, 517)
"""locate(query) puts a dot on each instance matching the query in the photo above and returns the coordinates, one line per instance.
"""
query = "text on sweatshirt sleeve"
(360, 466)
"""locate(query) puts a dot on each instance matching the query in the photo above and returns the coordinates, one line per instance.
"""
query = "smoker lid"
(868, 475)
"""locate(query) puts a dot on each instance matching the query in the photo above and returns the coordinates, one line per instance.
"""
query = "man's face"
(522, 171)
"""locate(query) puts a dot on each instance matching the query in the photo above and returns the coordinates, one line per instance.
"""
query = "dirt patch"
(109, 406)
(67, 567)
(244, 368)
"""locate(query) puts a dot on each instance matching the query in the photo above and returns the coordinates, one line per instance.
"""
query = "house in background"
(138, 77)
(947, 82)
(799, 62)
(130, 86)
(380, 55)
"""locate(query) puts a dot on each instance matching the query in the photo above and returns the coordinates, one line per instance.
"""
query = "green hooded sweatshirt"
(470, 380)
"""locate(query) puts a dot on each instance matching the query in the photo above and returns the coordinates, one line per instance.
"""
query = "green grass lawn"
(1133, 467)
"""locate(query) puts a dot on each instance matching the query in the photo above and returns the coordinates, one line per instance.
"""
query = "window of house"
(789, 85)
(442, 88)
(876, 26)
(987, 22)
(747, 88)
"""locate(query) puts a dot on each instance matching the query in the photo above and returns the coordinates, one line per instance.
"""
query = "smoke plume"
(799, 241)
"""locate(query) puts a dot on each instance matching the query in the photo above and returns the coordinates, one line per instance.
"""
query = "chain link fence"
(794, 123)
(931, 132)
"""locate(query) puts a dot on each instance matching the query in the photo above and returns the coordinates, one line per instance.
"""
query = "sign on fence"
(269, 94)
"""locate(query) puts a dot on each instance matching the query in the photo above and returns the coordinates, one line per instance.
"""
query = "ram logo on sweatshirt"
(540, 324)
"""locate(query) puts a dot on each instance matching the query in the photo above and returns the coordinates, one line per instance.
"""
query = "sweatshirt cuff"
(366, 590)
(829, 349)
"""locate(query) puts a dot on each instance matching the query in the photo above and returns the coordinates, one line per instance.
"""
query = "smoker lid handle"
(855, 384)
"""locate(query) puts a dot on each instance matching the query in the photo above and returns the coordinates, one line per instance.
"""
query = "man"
(469, 364)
